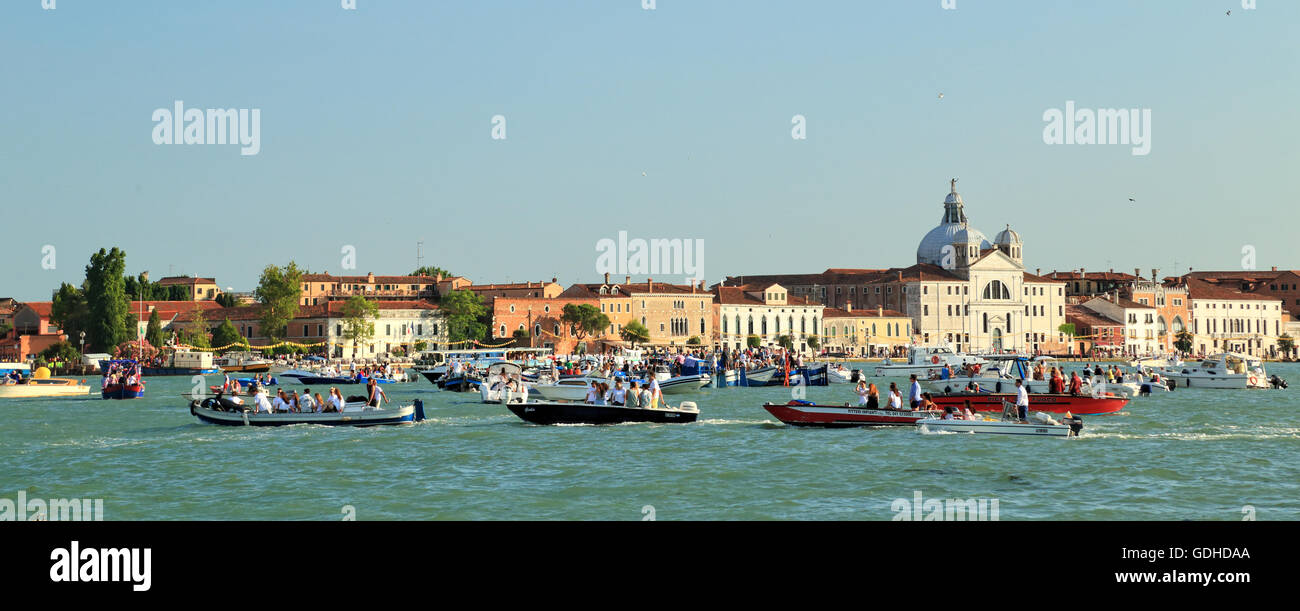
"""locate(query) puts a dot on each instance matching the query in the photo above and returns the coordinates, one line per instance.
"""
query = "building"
(32, 333)
(527, 290)
(1173, 307)
(1139, 322)
(1226, 319)
(400, 324)
(1080, 283)
(200, 289)
(835, 287)
(766, 311)
(1095, 334)
(673, 313)
(169, 313)
(322, 288)
(877, 332)
(972, 293)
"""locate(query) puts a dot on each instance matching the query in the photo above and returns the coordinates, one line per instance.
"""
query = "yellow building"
(673, 313)
(866, 332)
(200, 289)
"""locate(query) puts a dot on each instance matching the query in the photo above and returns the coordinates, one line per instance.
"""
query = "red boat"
(1079, 405)
(804, 413)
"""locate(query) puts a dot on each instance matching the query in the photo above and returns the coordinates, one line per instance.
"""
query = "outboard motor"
(855, 376)
(1145, 391)
(1276, 382)
(1076, 425)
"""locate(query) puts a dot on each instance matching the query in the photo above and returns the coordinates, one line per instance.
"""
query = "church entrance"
(997, 339)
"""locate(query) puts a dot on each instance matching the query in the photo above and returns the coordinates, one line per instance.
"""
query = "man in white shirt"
(306, 403)
(263, 403)
(914, 395)
(1022, 401)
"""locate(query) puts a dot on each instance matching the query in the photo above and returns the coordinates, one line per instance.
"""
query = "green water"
(1191, 454)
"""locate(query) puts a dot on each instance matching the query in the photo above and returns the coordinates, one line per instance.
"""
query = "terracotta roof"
(366, 279)
(834, 275)
(1197, 289)
(917, 273)
(331, 309)
(739, 295)
(168, 310)
(1080, 315)
(512, 285)
(641, 288)
(1033, 278)
(184, 280)
(1074, 275)
(42, 308)
(863, 313)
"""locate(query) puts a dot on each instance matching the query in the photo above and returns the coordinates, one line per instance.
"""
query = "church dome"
(1007, 237)
(953, 229)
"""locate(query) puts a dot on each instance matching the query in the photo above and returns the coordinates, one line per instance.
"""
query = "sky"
(377, 125)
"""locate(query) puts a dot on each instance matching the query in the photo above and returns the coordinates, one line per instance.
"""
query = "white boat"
(44, 387)
(1156, 361)
(926, 362)
(504, 384)
(1041, 425)
(683, 384)
(760, 376)
(842, 375)
(212, 410)
(568, 389)
(1225, 370)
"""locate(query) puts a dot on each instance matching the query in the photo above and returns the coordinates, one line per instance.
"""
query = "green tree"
(196, 329)
(226, 335)
(586, 319)
(522, 338)
(177, 292)
(109, 310)
(463, 310)
(1067, 328)
(785, 341)
(154, 331)
(813, 342)
(635, 333)
(421, 345)
(693, 341)
(61, 352)
(278, 291)
(358, 312)
(69, 310)
(1184, 341)
(753, 341)
(5, 328)
(1285, 343)
(431, 271)
(226, 300)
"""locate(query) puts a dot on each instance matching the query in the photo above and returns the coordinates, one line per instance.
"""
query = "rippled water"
(1191, 454)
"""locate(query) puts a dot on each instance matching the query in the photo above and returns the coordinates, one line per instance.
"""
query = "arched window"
(503, 331)
(751, 325)
(724, 324)
(1178, 324)
(1160, 326)
(764, 325)
(996, 290)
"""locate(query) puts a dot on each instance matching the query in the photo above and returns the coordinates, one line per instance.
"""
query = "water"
(1191, 454)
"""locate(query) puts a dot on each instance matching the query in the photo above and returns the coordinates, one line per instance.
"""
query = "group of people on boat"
(293, 402)
(13, 377)
(121, 374)
(648, 396)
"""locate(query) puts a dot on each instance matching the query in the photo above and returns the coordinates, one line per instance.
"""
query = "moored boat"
(584, 413)
(1225, 371)
(183, 363)
(805, 413)
(926, 362)
(44, 387)
(504, 384)
(242, 362)
(213, 410)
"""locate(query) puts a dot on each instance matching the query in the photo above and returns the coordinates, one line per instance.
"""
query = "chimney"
(370, 277)
(554, 280)
(1137, 272)
(1038, 271)
(627, 280)
(1155, 275)
(848, 307)
(650, 285)
(606, 277)
(1274, 269)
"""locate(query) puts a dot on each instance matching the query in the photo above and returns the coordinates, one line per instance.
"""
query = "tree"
(586, 319)
(693, 341)
(1184, 341)
(1286, 344)
(358, 312)
(106, 299)
(226, 335)
(813, 342)
(5, 328)
(278, 290)
(63, 352)
(753, 341)
(785, 341)
(1067, 328)
(226, 300)
(421, 345)
(196, 329)
(69, 310)
(431, 271)
(522, 338)
(463, 310)
(635, 333)
(153, 332)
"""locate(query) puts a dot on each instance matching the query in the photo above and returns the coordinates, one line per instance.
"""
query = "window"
(996, 290)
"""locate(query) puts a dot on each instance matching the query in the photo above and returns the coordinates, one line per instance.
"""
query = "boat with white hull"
(927, 361)
(1224, 371)
(995, 427)
(504, 384)
(44, 387)
(213, 410)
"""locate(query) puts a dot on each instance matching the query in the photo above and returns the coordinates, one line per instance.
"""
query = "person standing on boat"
(374, 394)
(260, 400)
(895, 399)
(914, 394)
(1076, 383)
(862, 392)
(306, 403)
(616, 396)
(656, 395)
(873, 397)
(1022, 401)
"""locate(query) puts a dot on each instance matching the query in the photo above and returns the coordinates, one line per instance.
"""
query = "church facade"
(972, 293)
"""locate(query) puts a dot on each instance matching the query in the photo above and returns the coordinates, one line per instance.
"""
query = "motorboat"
(504, 384)
(1156, 361)
(927, 361)
(1040, 425)
(1084, 405)
(184, 363)
(570, 389)
(840, 374)
(584, 413)
(1225, 370)
(215, 410)
(1001, 373)
(242, 362)
(121, 379)
(36, 387)
(806, 413)
(23, 369)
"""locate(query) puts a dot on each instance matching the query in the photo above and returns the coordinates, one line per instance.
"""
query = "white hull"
(930, 426)
(503, 395)
(683, 384)
(33, 391)
(762, 375)
(1228, 382)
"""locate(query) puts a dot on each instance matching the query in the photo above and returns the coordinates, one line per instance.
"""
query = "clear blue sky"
(376, 133)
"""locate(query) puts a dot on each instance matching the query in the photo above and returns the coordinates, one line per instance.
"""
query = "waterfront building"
(543, 319)
(1233, 320)
(673, 313)
(877, 332)
(768, 312)
(1173, 307)
(527, 290)
(833, 288)
(972, 293)
(1095, 334)
(32, 333)
(319, 289)
(200, 289)
(169, 313)
(1139, 322)
(1085, 284)
(399, 324)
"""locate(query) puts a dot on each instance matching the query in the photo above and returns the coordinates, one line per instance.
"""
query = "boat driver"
(1022, 401)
